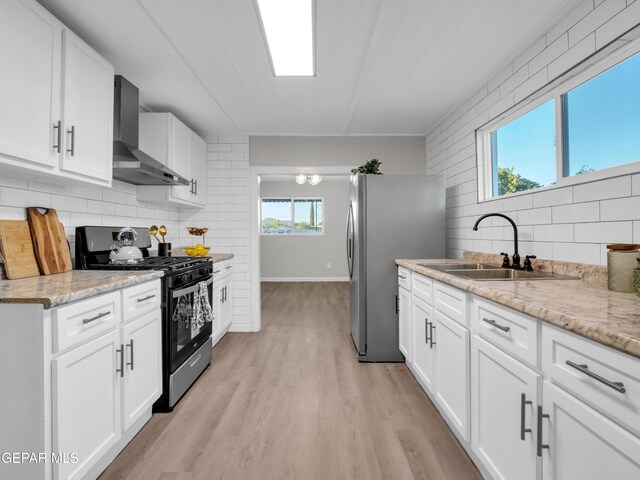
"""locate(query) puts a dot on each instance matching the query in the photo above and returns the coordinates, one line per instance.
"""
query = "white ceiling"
(383, 66)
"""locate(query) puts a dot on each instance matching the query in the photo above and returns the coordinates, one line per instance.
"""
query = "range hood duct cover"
(130, 164)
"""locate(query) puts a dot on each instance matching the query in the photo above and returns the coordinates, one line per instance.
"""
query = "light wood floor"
(292, 402)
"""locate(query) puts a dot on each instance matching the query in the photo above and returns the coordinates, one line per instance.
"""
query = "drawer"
(422, 288)
(80, 321)
(591, 366)
(404, 278)
(512, 331)
(222, 269)
(452, 302)
(140, 300)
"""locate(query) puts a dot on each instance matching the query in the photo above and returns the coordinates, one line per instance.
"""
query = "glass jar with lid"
(621, 262)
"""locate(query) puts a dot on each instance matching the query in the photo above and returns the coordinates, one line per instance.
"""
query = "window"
(292, 216)
(585, 125)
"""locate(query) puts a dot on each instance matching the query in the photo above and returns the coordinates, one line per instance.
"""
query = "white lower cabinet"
(86, 404)
(404, 323)
(452, 371)
(582, 443)
(98, 384)
(526, 399)
(142, 372)
(222, 299)
(423, 353)
(504, 395)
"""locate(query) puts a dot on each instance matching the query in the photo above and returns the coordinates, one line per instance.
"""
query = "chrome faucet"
(516, 256)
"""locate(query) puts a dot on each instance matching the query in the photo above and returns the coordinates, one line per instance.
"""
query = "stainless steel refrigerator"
(390, 216)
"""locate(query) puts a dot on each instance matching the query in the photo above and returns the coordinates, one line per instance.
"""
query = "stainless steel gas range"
(186, 334)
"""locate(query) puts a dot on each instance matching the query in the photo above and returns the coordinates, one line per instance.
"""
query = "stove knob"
(205, 271)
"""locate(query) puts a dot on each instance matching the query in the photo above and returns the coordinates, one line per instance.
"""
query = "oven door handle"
(188, 290)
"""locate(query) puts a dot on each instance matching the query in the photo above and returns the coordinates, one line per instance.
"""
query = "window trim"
(293, 232)
(597, 63)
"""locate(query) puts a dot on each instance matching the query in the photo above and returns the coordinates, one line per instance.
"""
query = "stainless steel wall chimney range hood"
(130, 164)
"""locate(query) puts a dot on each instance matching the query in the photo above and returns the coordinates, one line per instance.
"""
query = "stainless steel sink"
(507, 274)
(444, 267)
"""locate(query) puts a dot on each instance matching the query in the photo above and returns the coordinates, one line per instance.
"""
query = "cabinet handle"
(397, 305)
(540, 444)
(426, 330)
(145, 298)
(431, 327)
(92, 319)
(130, 344)
(73, 140)
(225, 294)
(191, 186)
(195, 182)
(493, 323)
(121, 352)
(523, 403)
(584, 368)
(217, 271)
(403, 277)
(58, 127)
(228, 267)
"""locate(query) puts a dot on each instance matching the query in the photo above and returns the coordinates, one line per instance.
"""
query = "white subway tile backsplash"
(576, 213)
(577, 252)
(604, 232)
(636, 231)
(553, 233)
(635, 182)
(600, 15)
(621, 22)
(550, 53)
(603, 189)
(535, 216)
(620, 209)
(557, 196)
(535, 82)
(16, 197)
(70, 204)
(575, 54)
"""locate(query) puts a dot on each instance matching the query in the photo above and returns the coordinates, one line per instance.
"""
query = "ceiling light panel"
(288, 26)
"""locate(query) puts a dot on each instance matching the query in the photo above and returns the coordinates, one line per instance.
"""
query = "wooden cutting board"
(17, 249)
(49, 241)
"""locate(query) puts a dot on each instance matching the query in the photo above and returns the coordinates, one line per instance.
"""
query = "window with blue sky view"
(600, 128)
(287, 216)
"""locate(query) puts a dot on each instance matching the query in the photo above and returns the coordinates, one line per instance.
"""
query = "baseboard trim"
(240, 327)
(304, 279)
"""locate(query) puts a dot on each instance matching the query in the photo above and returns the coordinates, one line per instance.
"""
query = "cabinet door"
(88, 110)
(583, 444)
(216, 307)
(86, 404)
(198, 169)
(423, 349)
(30, 56)
(404, 323)
(500, 415)
(179, 157)
(142, 382)
(452, 364)
(226, 305)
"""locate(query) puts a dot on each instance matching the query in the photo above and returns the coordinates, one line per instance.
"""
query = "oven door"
(186, 331)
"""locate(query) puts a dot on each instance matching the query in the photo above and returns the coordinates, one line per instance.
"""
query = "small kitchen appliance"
(186, 336)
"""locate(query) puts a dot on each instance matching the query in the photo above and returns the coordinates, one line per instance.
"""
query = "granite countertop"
(55, 290)
(585, 306)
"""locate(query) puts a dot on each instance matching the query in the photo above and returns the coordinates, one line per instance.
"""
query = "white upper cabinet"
(88, 110)
(44, 63)
(172, 143)
(29, 84)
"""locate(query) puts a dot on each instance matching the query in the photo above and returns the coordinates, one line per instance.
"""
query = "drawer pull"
(121, 352)
(228, 267)
(617, 386)
(541, 446)
(403, 277)
(523, 403)
(145, 298)
(92, 319)
(493, 323)
(130, 344)
(217, 271)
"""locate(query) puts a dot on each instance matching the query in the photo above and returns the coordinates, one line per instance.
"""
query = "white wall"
(571, 223)
(227, 216)
(85, 205)
(305, 257)
(399, 155)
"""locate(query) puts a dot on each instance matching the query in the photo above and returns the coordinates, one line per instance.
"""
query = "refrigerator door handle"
(350, 249)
